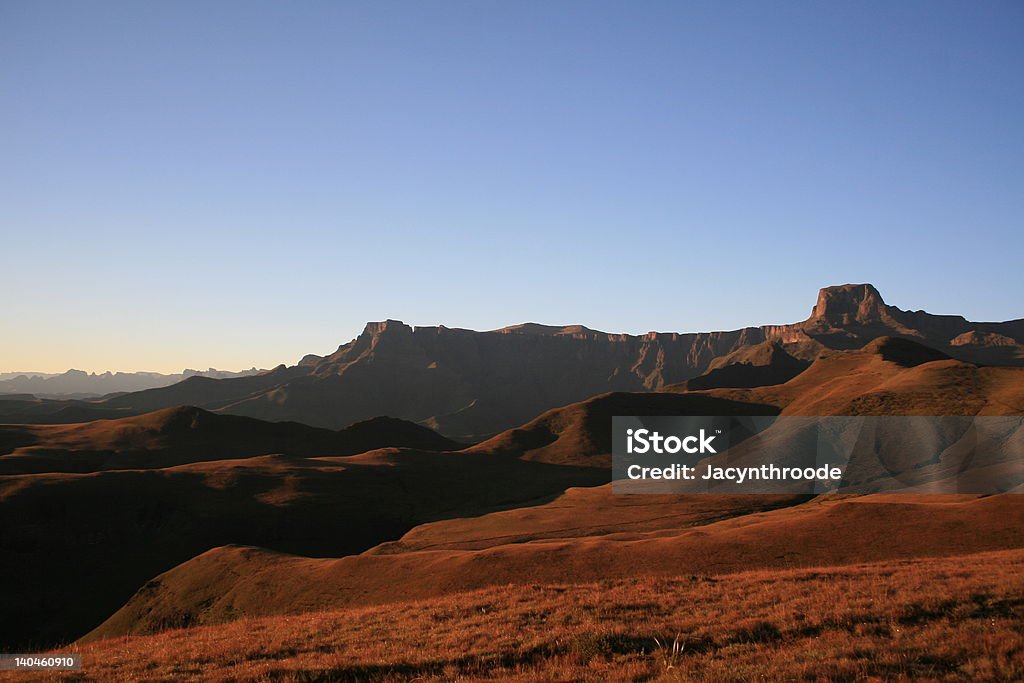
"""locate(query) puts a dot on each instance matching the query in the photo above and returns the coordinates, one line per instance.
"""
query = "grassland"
(942, 619)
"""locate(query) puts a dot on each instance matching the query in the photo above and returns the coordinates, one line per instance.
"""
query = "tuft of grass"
(671, 654)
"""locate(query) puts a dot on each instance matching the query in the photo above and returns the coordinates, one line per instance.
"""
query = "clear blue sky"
(241, 183)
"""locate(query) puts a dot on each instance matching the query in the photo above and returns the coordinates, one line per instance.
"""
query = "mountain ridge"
(79, 383)
(470, 385)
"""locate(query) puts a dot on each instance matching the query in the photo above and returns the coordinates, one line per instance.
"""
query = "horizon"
(299, 357)
(242, 184)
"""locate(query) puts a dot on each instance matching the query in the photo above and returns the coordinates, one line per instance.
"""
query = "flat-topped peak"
(843, 304)
(545, 330)
(389, 325)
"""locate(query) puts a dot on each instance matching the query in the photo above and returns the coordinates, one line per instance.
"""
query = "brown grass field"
(231, 582)
(948, 619)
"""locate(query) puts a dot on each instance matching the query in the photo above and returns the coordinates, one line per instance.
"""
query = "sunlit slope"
(230, 582)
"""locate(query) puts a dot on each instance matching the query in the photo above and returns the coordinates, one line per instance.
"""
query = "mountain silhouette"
(81, 384)
(470, 385)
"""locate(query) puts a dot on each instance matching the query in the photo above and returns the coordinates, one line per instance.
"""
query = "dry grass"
(959, 618)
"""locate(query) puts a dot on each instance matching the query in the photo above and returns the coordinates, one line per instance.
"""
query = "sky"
(237, 184)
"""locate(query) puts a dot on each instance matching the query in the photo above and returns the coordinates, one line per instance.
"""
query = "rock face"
(975, 338)
(849, 316)
(470, 385)
(850, 305)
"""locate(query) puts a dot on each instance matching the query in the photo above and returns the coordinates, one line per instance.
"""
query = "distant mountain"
(206, 392)
(11, 375)
(470, 385)
(81, 384)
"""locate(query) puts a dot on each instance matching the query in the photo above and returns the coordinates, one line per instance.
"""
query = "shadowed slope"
(762, 364)
(124, 527)
(580, 433)
(31, 410)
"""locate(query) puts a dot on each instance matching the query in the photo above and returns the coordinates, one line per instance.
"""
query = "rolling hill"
(124, 526)
(177, 436)
(230, 582)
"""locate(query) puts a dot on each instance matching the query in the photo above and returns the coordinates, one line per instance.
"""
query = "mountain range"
(81, 384)
(469, 385)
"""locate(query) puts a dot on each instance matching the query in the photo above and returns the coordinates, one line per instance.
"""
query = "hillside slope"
(230, 582)
(946, 618)
(890, 376)
(123, 527)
